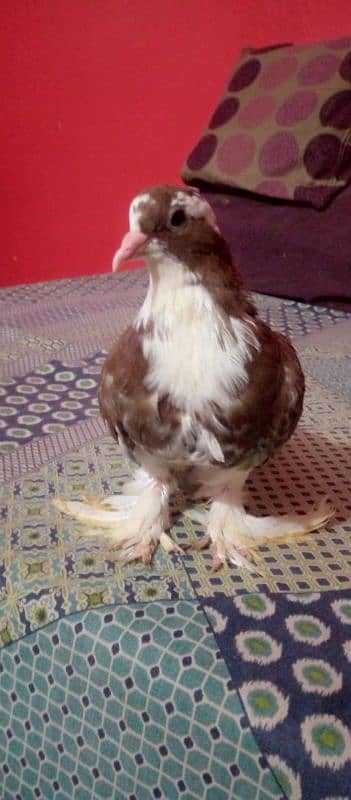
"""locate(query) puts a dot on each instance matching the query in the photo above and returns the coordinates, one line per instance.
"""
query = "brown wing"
(133, 415)
(261, 419)
(266, 413)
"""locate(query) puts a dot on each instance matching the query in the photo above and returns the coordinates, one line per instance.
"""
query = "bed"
(135, 682)
(170, 680)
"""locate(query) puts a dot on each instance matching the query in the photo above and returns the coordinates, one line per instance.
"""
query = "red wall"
(101, 98)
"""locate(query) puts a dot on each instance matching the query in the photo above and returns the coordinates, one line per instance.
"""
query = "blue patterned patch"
(290, 660)
(45, 401)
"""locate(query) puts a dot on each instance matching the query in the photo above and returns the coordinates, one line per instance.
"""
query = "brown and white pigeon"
(197, 391)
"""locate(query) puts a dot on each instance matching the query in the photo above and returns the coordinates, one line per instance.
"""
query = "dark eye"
(178, 218)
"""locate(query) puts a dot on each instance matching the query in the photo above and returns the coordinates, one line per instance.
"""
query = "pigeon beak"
(131, 247)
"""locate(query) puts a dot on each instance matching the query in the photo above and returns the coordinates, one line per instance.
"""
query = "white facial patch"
(195, 206)
(136, 209)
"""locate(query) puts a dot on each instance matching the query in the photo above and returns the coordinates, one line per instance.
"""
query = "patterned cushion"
(283, 126)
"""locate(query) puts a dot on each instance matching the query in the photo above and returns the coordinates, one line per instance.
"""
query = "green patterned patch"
(124, 703)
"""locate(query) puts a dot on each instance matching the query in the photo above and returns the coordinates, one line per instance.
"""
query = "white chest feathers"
(195, 353)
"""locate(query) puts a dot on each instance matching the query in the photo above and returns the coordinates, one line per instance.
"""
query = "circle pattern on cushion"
(321, 155)
(282, 127)
(345, 69)
(203, 152)
(236, 153)
(278, 72)
(296, 108)
(336, 111)
(245, 75)
(279, 154)
(318, 70)
(257, 111)
(224, 112)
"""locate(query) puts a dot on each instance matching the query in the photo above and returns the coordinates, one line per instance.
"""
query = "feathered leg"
(134, 522)
(234, 534)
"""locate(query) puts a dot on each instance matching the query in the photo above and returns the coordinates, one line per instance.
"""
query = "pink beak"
(131, 245)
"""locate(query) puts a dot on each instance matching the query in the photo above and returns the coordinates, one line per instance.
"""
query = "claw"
(238, 556)
(217, 563)
(199, 544)
(146, 551)
(170, 546)
(132, 524)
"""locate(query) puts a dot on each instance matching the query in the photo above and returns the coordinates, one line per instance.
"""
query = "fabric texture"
(283, 126)
(166, 680)
(287, 249)
(289, 658)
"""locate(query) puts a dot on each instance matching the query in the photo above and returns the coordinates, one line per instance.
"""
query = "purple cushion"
(283, 126)
(289, 250)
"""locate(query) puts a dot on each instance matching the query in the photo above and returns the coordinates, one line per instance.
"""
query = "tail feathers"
(102, 514)
(236, 535)
(285, 527)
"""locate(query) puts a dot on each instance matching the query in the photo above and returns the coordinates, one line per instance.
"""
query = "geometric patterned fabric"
(47, 400)
(155, 681)
(141, 708)
(289, 656)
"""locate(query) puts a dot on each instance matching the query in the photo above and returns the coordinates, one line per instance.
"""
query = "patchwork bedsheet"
(168, 681)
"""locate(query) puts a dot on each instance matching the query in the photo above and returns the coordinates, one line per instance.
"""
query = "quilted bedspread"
(168, 681)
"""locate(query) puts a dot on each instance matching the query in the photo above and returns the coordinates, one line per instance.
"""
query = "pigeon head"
(169, 221)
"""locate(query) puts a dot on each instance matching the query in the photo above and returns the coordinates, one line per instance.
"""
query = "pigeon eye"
(178, 218)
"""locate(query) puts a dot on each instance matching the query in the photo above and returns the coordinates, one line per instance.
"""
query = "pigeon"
(197, 392)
